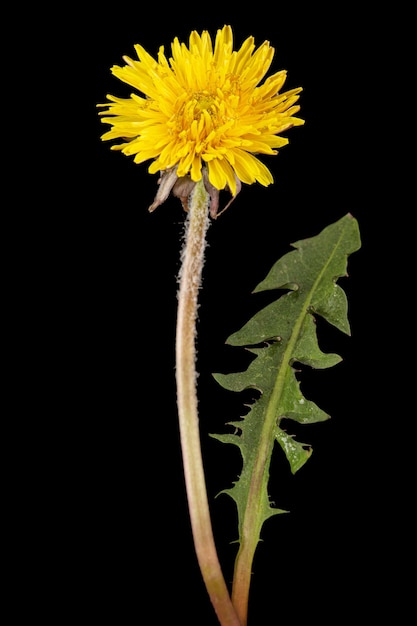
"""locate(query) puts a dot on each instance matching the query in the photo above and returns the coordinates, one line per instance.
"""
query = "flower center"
(199, 108)
(203, 101)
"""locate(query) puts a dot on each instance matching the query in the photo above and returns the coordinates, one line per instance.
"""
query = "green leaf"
(279, 336)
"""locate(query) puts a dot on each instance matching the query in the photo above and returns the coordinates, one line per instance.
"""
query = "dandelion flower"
(202, 113)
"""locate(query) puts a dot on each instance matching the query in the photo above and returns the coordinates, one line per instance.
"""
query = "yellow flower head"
(202, 113)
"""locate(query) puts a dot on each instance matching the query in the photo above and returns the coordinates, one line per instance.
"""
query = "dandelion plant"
(201, 117)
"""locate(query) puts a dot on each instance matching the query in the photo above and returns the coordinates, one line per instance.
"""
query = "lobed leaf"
(279, 336)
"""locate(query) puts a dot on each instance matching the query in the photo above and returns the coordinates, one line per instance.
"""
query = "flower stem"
(186, 380)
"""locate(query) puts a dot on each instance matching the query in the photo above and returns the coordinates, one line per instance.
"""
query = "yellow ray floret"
(204, 107)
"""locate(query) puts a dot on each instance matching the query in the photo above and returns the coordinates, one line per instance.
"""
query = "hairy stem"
(186, 380)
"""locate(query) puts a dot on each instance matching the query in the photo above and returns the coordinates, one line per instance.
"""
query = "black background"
(121, 543)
